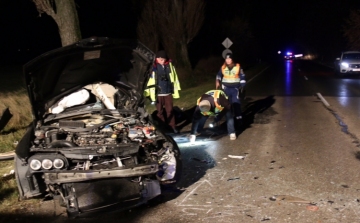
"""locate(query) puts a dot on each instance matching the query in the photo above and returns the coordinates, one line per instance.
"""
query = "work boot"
(232, 136)
(192, 138)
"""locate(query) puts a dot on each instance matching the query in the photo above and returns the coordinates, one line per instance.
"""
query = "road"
(296, 159)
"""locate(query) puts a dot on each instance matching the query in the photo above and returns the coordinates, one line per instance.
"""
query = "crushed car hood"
(124, 63)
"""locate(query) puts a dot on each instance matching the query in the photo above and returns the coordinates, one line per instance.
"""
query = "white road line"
(305, 78)
(258, 74)
(323, 99)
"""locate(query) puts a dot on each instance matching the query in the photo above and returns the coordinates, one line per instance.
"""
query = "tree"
(174, 23)
(352, 30)
(179, 22)
(146, 29)
(65, 15)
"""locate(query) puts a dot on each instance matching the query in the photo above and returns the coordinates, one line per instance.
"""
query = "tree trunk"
(67, 21)
(183, 55)
(65, 15)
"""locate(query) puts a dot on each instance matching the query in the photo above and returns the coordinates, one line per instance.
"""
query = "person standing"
(166, 86)
(230, 78)
(212, 103)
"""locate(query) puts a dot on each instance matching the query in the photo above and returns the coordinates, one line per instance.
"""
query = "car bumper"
(91, 197)
(86, 175)
(350, 70)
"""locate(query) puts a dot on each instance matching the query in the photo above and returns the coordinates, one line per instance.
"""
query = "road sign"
(227, 43)
(226, 51)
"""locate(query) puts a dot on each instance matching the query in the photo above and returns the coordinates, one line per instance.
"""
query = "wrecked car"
(92, 146)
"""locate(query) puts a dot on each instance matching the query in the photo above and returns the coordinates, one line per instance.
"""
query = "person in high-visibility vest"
(212, 103)
(163, 86)
(231, 78)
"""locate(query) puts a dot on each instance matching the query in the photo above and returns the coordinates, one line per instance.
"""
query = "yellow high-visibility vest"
(218, 108)
(150, 92)
(231, 76)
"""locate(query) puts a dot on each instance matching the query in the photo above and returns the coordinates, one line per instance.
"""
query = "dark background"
(300, 26)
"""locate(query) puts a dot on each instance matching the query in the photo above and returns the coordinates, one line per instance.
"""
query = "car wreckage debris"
(290, 199)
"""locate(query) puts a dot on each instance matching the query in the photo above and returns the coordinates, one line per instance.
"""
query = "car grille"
(354, 66)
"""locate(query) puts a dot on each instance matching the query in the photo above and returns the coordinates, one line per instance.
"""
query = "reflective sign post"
(226, 43)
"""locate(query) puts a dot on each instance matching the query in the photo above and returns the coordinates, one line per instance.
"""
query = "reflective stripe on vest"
(231, 76)
(215, 94)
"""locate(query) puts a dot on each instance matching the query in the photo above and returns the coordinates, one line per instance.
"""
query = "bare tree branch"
(65, 17)
(352, 30)
(44, 6)
(147, 29)
(179, 22)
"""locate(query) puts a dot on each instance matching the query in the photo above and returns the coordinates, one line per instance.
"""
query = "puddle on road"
(344, 129)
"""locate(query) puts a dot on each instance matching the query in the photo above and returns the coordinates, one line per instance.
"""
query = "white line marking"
(323, 99)
(257, 74)
(305, 78)
(200, 184)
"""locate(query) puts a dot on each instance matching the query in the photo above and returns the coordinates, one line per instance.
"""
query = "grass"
(13, 96)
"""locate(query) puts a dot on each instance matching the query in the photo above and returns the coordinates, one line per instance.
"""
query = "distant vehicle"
(348, 63)
(289, 56)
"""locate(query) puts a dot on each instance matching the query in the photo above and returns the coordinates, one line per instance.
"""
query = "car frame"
(100, 151)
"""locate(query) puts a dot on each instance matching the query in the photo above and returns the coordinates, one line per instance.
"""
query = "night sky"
(275, 25)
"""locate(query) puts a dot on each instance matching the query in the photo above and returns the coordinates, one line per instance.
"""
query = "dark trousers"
(233, 95)
(166, 102)
(199, 120)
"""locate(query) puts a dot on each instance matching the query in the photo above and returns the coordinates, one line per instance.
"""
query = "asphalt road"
(296, 159)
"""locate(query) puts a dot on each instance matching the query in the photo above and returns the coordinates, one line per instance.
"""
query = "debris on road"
(236, 157)
(10, 173)
(312, 208)
(5, 117)
(235, 178)
(290, 199)
(7, 155)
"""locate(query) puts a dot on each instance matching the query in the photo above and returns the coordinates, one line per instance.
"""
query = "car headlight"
(345, 64)
(46, 164)
(58, 163)
(35, 164)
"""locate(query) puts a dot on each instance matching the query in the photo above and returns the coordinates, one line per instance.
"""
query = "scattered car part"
(5, 118)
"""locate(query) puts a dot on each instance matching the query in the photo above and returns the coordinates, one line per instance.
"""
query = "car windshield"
(352, 56)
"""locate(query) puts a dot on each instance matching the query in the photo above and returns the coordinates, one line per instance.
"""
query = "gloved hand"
(217, 84)
(242, 78)
(242, 83)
